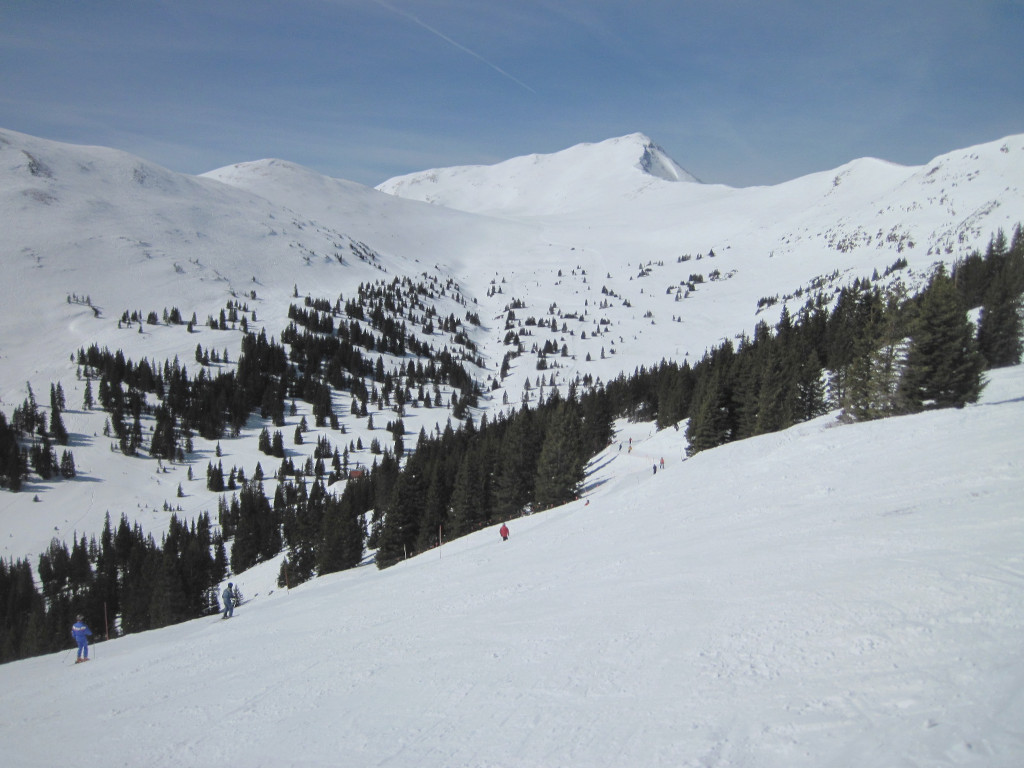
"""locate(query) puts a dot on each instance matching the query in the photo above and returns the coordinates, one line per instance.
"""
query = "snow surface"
(824, 596)
(576, 177)
(586, 236)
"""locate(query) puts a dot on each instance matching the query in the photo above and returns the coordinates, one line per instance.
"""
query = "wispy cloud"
(419, 22)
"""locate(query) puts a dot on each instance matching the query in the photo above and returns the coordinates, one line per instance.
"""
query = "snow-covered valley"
(631, 259)
(828, 595)
(823, 596)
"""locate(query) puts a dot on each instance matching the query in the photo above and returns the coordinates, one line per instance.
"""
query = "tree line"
(864, 351)
(867, 352)
(124, 581)
(27, 442)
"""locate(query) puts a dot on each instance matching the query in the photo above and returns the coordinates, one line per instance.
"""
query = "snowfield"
(824, 596)
(635, 260)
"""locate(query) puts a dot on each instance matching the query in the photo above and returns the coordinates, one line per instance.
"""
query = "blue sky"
(737, 91)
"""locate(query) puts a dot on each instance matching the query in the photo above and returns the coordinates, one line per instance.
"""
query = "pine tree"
(778, 393)
(434, 517)
(67, 465)
(944, 366)
(341, 538)
(517, 465)
(263, 442)
(709, 418)
(1000, 326)
(257, 533)
(467, 511)
(400, 529)
(57, 428)
(810, 387)
(560, 463)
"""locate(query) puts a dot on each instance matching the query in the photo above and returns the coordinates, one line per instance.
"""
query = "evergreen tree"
(517, 465)
(434, 518)
(810, 387)
(1000, 326)
(400, 527)
(560, 463)
(13, 466)
(944, 366)
(341, 538)
(467, 503)
(57, 428)
(777, 398)
(257, 533)
(277, 444)
(709, 419)
(67, 465)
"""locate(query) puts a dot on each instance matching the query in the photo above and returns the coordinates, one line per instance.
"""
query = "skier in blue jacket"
(229, 601)
(81, 632)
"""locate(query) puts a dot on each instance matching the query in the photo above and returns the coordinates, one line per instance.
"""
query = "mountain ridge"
(836, 590)
(855, 596)
(664, 271)
(625, 163)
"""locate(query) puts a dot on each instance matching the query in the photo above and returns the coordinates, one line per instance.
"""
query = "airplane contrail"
(460, 46)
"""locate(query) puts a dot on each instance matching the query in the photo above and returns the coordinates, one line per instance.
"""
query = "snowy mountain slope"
(91, 222)
(90, 233)
(926, 212)
(823, 596)
(620, 222)
(421, 233)
(570, 180)
(640, 241)
(630, 270)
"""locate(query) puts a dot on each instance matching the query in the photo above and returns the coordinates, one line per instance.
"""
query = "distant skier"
(229, 601)
(81, 632)
(504, 532)
(663, 463)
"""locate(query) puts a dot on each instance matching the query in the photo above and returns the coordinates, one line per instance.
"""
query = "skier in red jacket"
(504, 532)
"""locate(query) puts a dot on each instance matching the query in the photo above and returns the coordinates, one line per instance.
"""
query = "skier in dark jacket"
(229, 601)
(81, 632)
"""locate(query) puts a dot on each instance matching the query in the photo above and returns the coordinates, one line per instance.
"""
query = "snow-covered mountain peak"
(599, 232)
(573, 179)
(635, 150)
(590, 263)
(654, 160)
